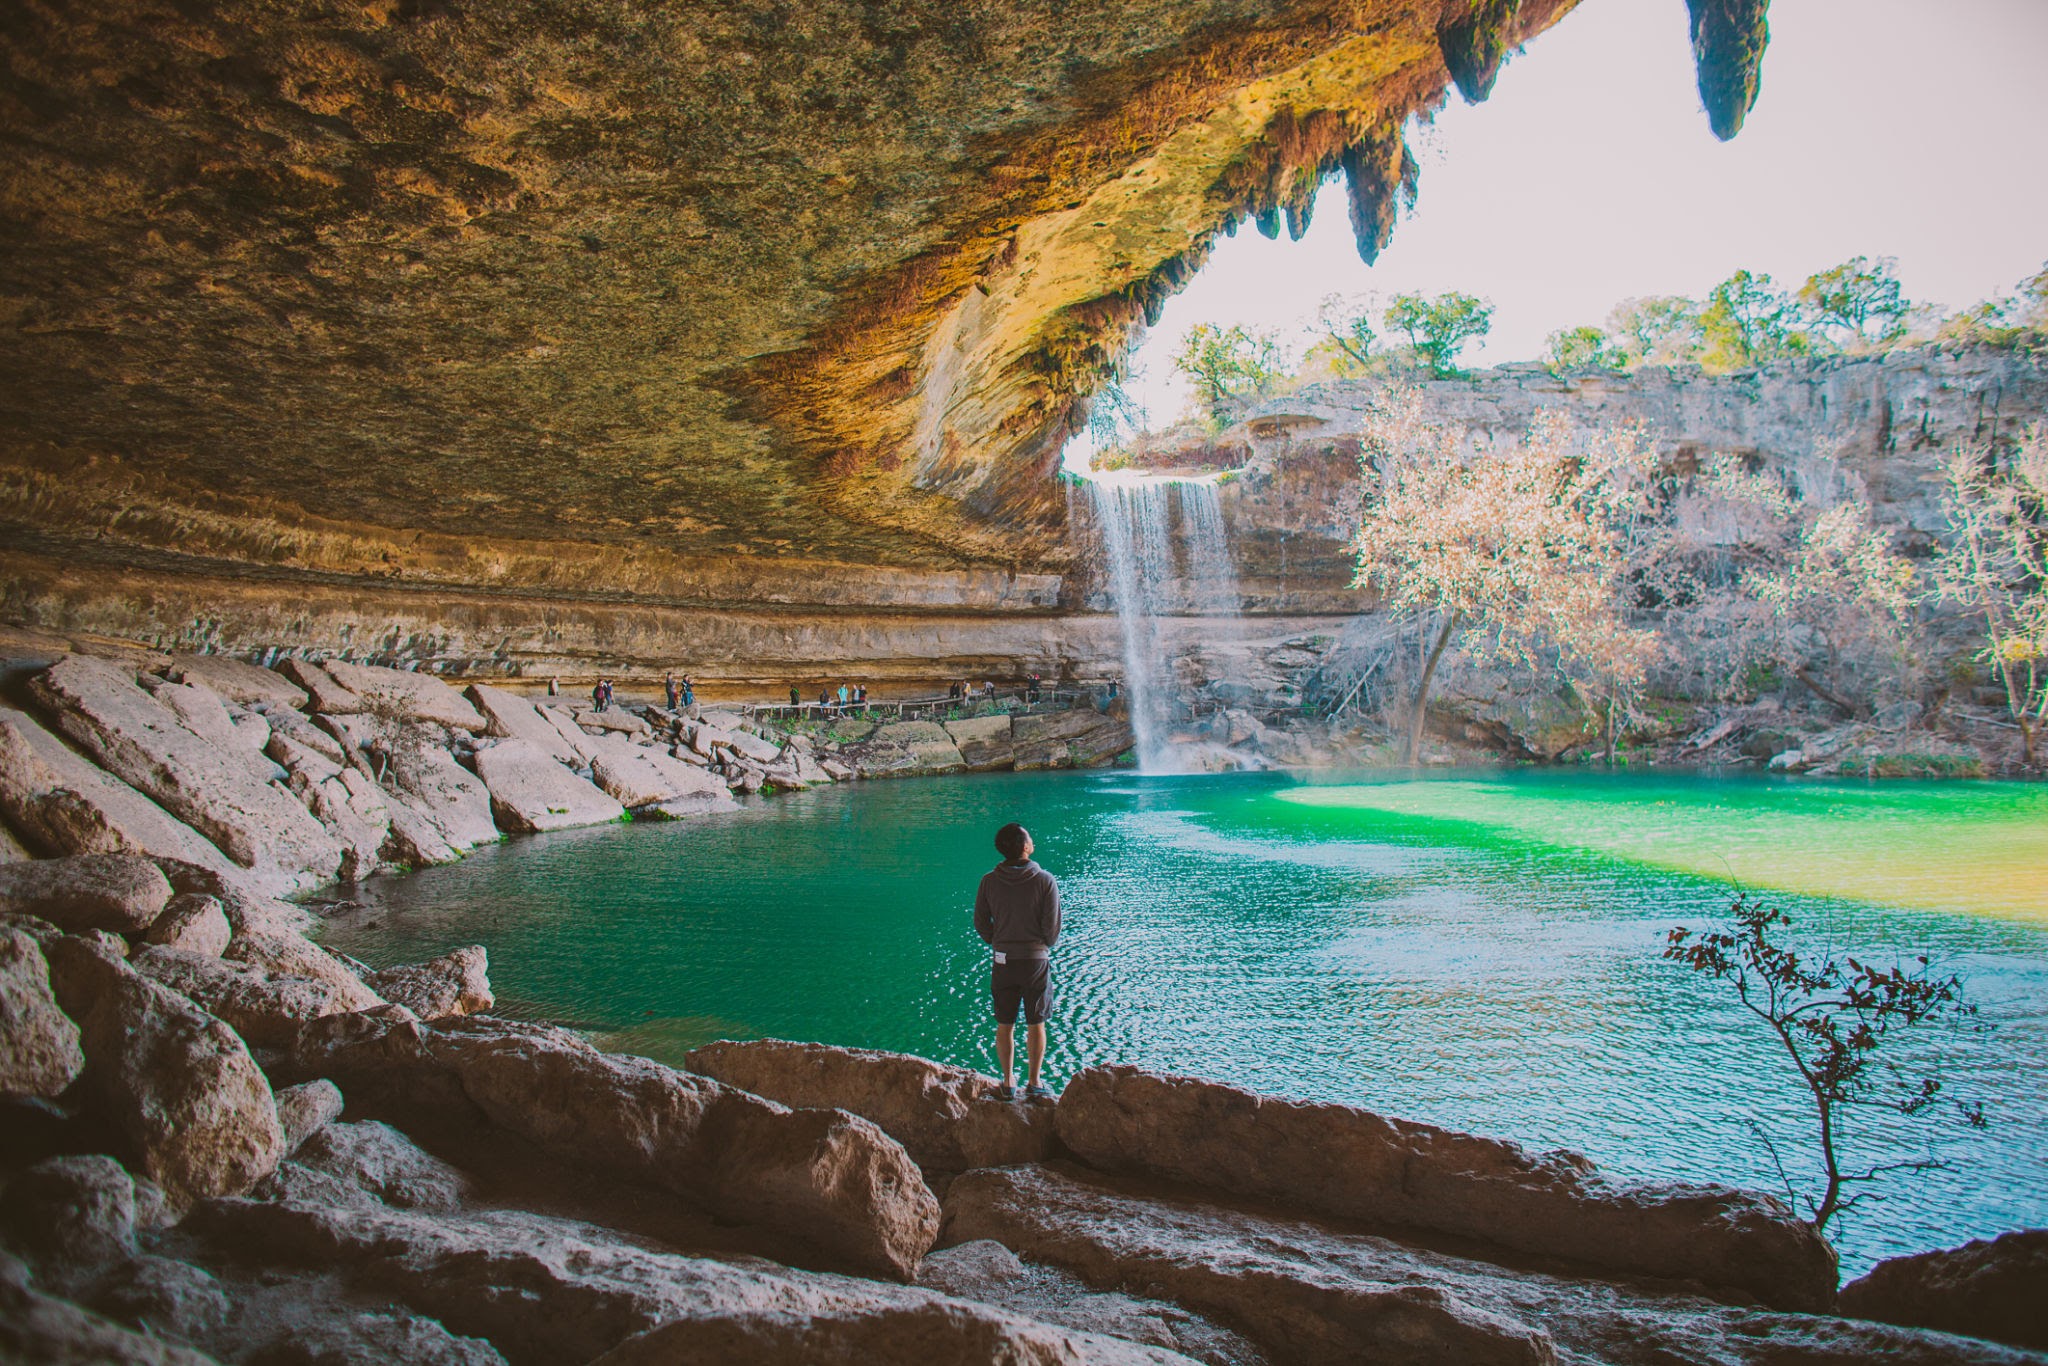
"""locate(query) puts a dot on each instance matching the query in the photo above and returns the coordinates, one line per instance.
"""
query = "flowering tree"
(1995, 567)
(1522, 553)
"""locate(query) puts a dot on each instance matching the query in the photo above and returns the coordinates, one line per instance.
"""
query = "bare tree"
(1833, 1017)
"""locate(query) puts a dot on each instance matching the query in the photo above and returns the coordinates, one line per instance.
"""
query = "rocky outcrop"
(178, 1084)
(37, 1328)
(906, 749)
(39, 1047)
(67, 805)
(531, 792)
(424, 779)
(1308, 1291)
(70, 1215)
(1994, 1288)
(283, 953)
(1069, 739)
(119, 893)
(326, 693)
(829, 1178)
(1336, 1161)
(99, 706)
(456, 983)
(948, 1118)
(984, 742)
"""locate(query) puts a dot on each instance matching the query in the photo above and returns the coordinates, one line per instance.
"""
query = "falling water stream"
(1154, 574)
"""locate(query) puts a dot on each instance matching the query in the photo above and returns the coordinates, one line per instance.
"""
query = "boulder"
(752, 746)
(354, 810)
(193, 923)
(984, 742)
(69, 1216)
(371, 1337)
(427, 780)
(614, 719)
(1346, 1163)
(1993, 1288)
(403, 693)
(414, 841)
(63, 804)
(379, 1161)
(247, 912)
(906, 749)
(285, 953)
(831, 1179)
(1304, 1291)
(201, 711)
(581, 743)
(266, 1009)
(12, 850)
(37, 1329)
(325, 693)
(258, 826)
(178, 1083)
(948, 1118)
(531, 792)
(639, 775)
(39, 1044)
(543, 1289)
(245, 684)
(456, 983)
(120, 893)
(306, 1109)
(304, 731)
(1081, 738)
(161, 1297)
(511, 717)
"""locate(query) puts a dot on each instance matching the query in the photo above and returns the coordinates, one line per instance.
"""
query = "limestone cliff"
(580, 304)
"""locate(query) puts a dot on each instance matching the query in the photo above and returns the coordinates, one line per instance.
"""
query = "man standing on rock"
(1017, 914)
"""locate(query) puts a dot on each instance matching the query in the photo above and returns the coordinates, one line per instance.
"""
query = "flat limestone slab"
(69, 805)
(511, 717)
(985, 742)
(216, 792)
(238, 680)
(421, 697)
(531, 792)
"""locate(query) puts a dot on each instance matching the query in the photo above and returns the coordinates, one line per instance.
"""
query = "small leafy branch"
(1833, 1017)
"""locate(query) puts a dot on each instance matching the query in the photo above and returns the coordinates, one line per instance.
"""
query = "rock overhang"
(615, 293)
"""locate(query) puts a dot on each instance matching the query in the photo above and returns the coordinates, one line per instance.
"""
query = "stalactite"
(1475, 46)
(1382, 173)
(1728, 42)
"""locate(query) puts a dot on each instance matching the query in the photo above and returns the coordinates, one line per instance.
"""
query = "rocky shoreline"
(224, 1142)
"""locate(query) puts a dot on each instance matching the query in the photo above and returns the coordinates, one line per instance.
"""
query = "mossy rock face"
(1476, 46)
(1728, 42)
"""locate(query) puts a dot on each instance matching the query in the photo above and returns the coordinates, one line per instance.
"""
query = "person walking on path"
(1017, 914)
(843, 694)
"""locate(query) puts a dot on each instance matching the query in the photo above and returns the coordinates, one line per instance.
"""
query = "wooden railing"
(941, 708)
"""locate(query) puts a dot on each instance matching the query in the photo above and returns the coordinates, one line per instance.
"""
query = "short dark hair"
(1010, 841)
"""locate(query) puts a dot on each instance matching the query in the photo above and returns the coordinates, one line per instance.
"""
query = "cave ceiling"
(826, 281)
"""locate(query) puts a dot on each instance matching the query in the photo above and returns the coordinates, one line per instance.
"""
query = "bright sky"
(1901, 128)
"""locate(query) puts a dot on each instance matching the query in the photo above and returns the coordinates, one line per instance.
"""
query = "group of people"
(681, 692)
(849, 695)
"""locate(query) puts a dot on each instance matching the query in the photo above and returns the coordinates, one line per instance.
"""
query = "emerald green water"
(1478, 952)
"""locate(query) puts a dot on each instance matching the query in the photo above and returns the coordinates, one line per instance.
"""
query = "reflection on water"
(1479, 954)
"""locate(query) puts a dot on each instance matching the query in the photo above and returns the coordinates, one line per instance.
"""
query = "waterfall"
(1148, 580)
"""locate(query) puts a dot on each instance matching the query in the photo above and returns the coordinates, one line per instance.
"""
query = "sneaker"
(1038, 1091)
(1006, 1092)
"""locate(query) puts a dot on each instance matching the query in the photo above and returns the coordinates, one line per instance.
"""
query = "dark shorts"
(1021, 981)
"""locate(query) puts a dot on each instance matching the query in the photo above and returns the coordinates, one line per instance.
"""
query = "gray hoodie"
(1017, 910)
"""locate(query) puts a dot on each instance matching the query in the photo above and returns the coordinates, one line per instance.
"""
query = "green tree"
(1226, 364)
(1859, 301)
(1748, 322)
(1832, 1016)
(1660, 330)
(1437, 329)
(1343, 324)
(1584, 348)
